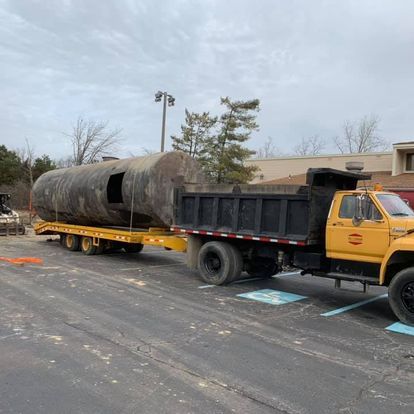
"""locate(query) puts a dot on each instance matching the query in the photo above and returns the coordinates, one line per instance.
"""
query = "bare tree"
(268, 150)
(313, 145)
(27, 155)
(361, 136)
(64, 162)
(91, 140)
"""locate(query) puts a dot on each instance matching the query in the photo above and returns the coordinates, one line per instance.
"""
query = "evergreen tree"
(195, 134)
(226, 153)
(10, 166)
(41, 165)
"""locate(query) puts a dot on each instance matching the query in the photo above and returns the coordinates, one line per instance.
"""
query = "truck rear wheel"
(219, 263)
(262, 267)
(72, 242)
(401, 295)
(133, 247)
(87, 246)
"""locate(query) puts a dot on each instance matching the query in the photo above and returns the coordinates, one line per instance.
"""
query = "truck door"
(366, 242)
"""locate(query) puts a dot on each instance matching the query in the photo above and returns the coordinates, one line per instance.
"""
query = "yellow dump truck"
(327, 228)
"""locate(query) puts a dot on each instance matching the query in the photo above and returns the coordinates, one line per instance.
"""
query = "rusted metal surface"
(135, 191)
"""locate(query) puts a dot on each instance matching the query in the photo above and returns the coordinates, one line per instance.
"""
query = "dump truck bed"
(284, 213)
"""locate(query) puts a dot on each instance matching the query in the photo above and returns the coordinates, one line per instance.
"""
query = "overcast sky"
(312, 64)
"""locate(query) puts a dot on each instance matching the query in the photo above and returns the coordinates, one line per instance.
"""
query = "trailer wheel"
(72, 242)
(87, 246)
(62, 240)
(133, 247)
(101, 248)
(219, 263)
(401, 295)
(113, 246)
(262, 267)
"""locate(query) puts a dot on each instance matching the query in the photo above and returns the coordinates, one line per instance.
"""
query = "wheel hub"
(213, 263)
(407, 296)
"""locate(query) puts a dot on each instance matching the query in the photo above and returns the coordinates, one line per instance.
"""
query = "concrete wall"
(273, 168)
(400, 152)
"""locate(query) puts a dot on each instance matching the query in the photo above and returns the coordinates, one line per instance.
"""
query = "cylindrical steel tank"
(134, 191)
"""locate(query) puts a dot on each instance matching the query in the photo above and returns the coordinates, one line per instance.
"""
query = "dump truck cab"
(363, 226)
(371, 234)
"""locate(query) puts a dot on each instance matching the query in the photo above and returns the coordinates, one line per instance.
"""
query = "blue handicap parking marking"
(401, 328)
(272, 297)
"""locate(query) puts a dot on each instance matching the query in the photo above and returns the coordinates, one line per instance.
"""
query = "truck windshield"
(394, 205)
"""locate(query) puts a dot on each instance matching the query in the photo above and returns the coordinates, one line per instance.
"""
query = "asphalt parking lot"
(140, 333)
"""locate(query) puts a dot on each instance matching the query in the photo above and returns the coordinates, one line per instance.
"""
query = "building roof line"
(292, 157)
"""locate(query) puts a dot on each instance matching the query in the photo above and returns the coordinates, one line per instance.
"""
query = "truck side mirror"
(358, 217)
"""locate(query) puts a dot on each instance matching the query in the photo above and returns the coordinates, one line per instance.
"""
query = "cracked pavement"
(133, 333)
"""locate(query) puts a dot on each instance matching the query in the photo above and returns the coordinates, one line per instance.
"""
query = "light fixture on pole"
(167, 100)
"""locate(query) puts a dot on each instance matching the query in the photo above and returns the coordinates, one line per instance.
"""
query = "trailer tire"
(87, 246)
(133, 247)
(62, 240)
(219, 263)
(101, 248)
(401, 295)
(262, 267)
(72, 242)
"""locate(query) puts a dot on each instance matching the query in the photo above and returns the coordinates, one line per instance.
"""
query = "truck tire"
(62, 240)
(262, 267)
(238, 262)
(72, 242)
(401, 295)
(133, 247)
(219, 263)
(87, 246)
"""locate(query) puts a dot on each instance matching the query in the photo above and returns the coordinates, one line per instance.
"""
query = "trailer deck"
(159, 237)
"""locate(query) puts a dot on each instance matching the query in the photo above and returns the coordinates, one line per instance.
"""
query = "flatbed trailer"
(95, 240)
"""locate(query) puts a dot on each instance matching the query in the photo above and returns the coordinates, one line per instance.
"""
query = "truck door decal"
(355, 239)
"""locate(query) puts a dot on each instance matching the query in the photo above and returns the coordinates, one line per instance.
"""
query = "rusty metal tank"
(134, 191)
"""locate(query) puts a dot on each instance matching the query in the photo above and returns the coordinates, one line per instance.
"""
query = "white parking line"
(353, 306)
(286, 274)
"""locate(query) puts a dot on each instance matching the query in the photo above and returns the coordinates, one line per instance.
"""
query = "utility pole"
(167, 99)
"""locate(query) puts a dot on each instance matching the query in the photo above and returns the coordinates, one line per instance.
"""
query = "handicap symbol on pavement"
(272, 297)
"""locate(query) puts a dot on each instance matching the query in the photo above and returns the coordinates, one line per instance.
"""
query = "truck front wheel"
(219, 263)
(401, 295)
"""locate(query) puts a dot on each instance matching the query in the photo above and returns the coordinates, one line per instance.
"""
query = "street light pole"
(166, 98)
(164, 118)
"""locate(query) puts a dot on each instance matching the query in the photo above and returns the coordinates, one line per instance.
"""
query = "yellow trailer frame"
(153, 236)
